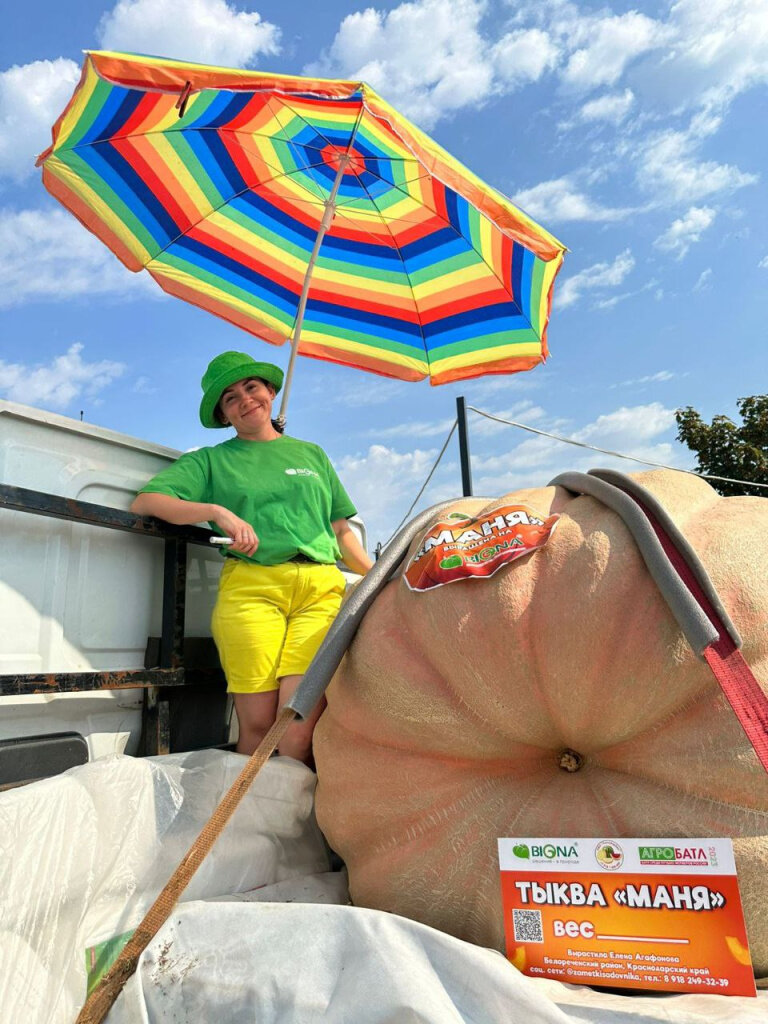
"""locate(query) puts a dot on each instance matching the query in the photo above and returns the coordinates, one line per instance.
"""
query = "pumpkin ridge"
(689, 705)
(502, 765)
(760, 818)
(448, 690)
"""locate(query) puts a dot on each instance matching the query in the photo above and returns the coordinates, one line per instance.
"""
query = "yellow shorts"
(269, 620)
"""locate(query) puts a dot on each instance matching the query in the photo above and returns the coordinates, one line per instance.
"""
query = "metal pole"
(466, 469)
(325, 223)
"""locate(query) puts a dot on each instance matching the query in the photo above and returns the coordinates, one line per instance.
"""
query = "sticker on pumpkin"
(461, 547)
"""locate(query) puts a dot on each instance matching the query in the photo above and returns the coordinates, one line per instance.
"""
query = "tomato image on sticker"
(461, 547)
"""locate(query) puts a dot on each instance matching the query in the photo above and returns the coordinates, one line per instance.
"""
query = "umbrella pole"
(325, 223)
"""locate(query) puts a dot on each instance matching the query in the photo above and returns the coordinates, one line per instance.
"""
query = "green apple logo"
(451, 562)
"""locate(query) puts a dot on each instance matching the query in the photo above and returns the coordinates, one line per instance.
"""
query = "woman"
(282, 504)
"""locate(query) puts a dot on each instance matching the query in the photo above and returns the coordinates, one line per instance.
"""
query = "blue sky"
(635, 133)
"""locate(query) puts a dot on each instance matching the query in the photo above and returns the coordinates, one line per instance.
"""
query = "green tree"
(725, 449)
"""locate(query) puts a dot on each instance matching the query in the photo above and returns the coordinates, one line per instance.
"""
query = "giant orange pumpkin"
(450, 720)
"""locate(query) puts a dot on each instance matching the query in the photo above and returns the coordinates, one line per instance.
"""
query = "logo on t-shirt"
(301, 472)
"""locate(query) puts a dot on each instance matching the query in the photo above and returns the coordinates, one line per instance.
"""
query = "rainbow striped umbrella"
(307, 210)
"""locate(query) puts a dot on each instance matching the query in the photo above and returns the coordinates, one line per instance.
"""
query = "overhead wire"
(565, 440)
(608, 451)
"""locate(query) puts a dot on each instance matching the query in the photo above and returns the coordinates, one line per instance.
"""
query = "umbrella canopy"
(307, 210)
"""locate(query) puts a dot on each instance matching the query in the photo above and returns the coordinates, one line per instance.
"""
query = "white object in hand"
(221, 540)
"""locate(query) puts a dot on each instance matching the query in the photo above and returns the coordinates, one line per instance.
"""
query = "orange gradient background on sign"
(717, 939)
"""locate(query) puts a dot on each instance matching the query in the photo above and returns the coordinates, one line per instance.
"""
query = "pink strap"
(736, 679)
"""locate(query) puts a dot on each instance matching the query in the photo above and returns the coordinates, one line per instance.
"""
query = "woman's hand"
(242, 533)
(352, 551)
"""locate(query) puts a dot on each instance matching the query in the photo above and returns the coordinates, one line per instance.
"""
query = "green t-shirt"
(286, 489)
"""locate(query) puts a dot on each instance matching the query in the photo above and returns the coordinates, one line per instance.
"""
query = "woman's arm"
(173, 510)
(352, 551)
(186, 513)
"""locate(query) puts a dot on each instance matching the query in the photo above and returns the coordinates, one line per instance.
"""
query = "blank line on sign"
(642, 938)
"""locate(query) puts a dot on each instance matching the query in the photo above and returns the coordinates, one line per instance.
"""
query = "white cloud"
(703, 281)
(599, 276)
(429, 58)
(144, 386)
(627, 426)
(613, 42)
(763, 263)
(669, 164)
(57, 384)
(437, 428)
(652, 378)
(480, 388)
(31, 98)
(47, 254)
(359, 390)
(708, 52)
(612, 107)
(634, 431)
(208, 31)
(721, 47)
(524, 55)
(386, 482)
(482, 426)
(561, 200)
(683, 232)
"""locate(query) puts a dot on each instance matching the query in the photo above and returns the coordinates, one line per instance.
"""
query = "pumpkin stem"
(570, 760)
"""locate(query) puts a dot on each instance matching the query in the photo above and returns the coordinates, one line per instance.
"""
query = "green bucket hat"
(226, 369)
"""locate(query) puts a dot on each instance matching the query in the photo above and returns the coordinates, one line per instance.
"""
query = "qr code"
(527, 925)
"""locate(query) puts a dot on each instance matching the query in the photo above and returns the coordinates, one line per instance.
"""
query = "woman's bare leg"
(297, 741)
(256, 712)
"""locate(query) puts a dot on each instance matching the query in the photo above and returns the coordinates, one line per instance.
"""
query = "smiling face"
(247, 406)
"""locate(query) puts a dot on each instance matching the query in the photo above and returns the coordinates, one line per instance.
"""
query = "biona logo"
(300, 472)
(549, 851)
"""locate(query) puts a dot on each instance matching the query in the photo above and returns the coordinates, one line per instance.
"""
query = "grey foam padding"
(693, 621)
(651, 502)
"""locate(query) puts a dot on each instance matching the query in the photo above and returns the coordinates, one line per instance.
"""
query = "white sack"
(291, 963)
(273, 963)
(84, 854)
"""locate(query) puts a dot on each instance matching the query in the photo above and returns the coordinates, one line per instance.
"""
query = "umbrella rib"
(448, 224)
(318, 198)
(236, 195)
(402, 261)
(309, 124)
(325, 224)
(318, 201)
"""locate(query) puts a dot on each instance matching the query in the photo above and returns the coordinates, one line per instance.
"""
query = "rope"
(100, 1001)
(423, 487)
(607, 451)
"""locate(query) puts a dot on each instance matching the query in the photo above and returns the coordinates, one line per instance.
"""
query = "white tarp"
(84, 854)
(292, 963)
(301, 964)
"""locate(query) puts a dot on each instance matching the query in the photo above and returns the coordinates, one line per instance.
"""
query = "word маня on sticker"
(460, 547)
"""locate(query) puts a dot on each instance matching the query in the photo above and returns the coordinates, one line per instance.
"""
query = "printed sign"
(661, 914)
(461, 547)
